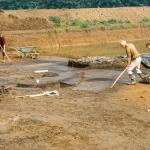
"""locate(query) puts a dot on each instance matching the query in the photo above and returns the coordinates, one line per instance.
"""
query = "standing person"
(148, 45)
(133, 60)
(2, 46)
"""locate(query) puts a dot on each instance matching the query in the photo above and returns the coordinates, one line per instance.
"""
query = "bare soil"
(39, 19)
(56, 43)
(113, 119)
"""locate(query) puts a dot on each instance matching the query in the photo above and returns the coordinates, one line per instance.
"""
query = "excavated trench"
(56, 71)
(76, 119)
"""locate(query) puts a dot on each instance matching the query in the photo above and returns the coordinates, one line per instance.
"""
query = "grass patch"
(80, 24)
(87, 26)
(145, 21)
(56, 20)
(113, 23)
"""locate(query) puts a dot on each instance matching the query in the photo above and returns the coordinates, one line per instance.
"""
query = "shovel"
(121, 74)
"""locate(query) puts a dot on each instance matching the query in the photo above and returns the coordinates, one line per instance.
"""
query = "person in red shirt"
(2, 46)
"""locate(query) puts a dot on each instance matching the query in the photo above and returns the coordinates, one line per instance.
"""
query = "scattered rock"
(105, 62)
(97, 61)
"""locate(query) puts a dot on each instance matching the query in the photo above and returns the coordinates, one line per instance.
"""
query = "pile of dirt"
(39, 19)
(134, 14)
(12, 22)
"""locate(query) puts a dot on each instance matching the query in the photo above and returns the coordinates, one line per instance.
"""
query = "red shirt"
(2, 41)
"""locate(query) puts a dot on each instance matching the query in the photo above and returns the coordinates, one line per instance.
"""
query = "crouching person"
(133, 60)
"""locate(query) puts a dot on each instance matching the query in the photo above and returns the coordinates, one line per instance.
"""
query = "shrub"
(145, 20)
(75, 22)
(80, 23)
(112, 21)
(85, 24)
(101, 22)
(127, 21)
(56, 20)
(121, 22)
(102, 28)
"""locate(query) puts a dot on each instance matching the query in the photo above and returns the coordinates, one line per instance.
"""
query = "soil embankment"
(33, 27)
(46, 39)
(134, 14)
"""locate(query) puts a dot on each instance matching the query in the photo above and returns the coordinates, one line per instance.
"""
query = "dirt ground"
(113, 119)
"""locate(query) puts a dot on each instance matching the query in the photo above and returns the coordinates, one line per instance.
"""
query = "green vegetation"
(26, 4)
(145, 21)
(87, 25)
(83, 24)
(56, 20)
(112, 23)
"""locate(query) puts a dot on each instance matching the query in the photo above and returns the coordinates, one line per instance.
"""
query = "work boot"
(133, 80)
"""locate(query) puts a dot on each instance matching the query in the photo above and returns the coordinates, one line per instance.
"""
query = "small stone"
(141, 96)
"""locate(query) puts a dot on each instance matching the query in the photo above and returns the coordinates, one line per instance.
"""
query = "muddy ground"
(103, 119)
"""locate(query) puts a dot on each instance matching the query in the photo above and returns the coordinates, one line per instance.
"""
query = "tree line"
(41, 4)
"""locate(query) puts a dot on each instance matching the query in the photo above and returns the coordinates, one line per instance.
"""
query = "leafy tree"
(26, 4)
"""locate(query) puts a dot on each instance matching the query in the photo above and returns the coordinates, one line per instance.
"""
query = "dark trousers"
(1, 50)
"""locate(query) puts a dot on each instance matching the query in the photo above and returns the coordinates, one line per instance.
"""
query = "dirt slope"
(33, 27)
(45, 39)
(132, 13)
(39, 19)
